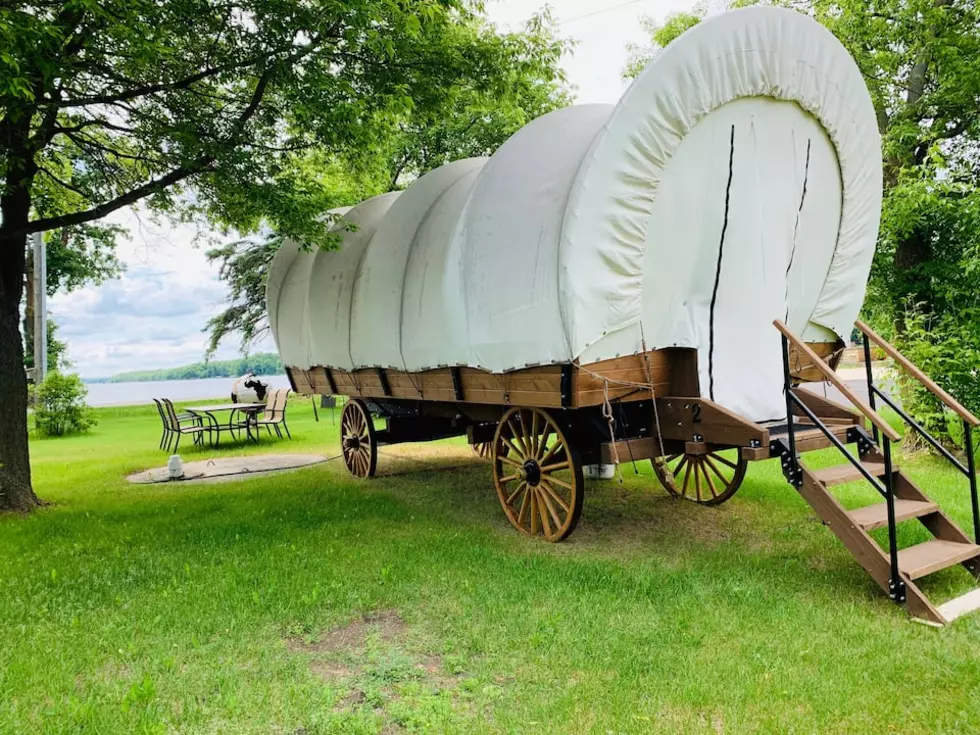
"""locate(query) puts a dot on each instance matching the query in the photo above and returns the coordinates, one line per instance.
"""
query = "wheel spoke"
(507, 460)
(725, 481)
(687, 473)
(558, 481)
(542, 511)
(519, 438)
(550, 506)
(509, 478)
(554, 495)
(697, 479)
(535, 518)
(551, 452)
(524, 505)
(510, 443)
(513, 495)
(555, 467)
(708, 483)
(533, 439)
(544, 441)
(724, 461)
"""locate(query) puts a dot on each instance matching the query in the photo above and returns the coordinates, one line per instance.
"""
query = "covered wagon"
(604, 287)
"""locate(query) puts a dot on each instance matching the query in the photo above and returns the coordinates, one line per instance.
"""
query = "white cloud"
(153, 316)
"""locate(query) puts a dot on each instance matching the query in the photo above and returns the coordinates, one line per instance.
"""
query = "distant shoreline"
(261, 364)
(142, 392)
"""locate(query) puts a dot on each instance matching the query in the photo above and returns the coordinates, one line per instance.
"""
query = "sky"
(154, 315)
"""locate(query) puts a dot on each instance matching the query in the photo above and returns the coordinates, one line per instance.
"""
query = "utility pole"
(40, 309)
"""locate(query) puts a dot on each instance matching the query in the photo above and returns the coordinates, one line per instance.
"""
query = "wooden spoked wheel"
(537, 474)
(483, 450)
(710, 478)
(357, 439)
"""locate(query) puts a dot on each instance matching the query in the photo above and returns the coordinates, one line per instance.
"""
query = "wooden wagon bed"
(671, 372)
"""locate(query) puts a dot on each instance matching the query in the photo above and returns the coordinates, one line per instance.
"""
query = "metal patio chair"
(176, 425)
(275, 413)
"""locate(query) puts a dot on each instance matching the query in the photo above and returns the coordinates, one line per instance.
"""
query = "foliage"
(660, 35)
(210, 109)
(951, 349)
(919, 61)
(263, 363)
(57, 350)
(59, 405)
(473, 122)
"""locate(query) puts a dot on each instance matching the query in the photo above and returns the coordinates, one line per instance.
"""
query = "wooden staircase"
(894, 569)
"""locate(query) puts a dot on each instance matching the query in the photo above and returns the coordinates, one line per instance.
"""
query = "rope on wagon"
(607, 411)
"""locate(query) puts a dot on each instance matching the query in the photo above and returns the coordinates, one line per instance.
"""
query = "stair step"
(840, 474)
(876, 516)
(808, 440)
(960, 606)
(931, 556)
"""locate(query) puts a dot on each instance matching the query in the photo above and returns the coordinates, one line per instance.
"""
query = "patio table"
(213, 424)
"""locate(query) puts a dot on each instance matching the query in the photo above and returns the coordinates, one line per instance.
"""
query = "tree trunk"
(16, 492)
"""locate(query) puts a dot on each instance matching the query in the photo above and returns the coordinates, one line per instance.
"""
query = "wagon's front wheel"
(537, 474)
(708, 478)
(357, 439)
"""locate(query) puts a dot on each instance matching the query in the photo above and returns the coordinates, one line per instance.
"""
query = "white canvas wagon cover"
(736, 182)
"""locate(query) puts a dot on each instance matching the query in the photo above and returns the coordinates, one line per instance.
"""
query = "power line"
(600, 11)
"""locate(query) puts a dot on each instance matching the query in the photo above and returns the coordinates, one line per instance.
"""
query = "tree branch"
(106, 208)
(153, 186)
(65, 184)
(149, 89)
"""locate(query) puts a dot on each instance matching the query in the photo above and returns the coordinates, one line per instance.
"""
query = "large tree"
(200, 108)
(475, 122)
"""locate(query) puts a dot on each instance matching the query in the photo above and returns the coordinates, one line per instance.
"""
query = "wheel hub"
(352, 442)
(532, 472)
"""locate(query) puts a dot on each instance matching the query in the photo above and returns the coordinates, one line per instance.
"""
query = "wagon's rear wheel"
(709, 478)
(483, 450)
(357, 439)
(537, 474)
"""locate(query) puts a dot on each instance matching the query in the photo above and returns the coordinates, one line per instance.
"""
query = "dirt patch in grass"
(373, 662)
(401, 459)
(351, 639)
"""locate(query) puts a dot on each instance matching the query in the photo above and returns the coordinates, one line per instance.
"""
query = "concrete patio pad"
(229, 468)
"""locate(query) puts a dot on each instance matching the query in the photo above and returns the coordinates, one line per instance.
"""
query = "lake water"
(129, 394)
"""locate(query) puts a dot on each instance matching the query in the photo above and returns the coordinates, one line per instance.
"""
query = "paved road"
(855, 380)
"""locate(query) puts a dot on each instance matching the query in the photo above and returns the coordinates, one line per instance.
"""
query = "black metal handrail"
(969, 470)
(896, 585)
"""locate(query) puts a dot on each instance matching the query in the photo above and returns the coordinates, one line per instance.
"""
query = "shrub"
(946, 348)
(59, 406)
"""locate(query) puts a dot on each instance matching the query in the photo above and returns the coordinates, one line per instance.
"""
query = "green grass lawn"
(311, 602)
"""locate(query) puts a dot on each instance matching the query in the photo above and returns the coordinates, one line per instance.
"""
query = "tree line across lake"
(265, 363)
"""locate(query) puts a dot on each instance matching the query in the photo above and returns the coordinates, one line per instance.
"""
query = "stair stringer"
(865, 549)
